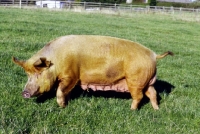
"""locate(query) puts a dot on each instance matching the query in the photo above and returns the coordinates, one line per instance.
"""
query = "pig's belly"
(120, 86)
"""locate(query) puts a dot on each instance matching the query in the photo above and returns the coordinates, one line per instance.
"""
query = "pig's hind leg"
(152, 95)
(136, 93)
(65, 86)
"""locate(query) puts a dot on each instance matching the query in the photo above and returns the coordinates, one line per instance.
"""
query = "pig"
(96, 62)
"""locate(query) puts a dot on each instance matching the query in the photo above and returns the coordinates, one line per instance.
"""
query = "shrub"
(153, 2)
(185, 5)
(106, 1)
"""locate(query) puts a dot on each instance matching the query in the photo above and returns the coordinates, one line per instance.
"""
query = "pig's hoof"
(133, 108)
(62, 104)
(156, 108)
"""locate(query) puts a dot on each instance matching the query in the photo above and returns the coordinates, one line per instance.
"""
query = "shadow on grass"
(160, 86)
(48, 95)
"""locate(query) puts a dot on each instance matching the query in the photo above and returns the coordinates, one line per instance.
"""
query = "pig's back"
(98, 45)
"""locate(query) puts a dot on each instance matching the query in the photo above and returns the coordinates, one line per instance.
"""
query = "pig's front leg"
(65, 86)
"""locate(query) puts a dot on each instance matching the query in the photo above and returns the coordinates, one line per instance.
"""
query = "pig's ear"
(42, 63)
(18, 62)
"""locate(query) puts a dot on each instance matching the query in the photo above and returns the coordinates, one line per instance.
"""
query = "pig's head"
(40, 76)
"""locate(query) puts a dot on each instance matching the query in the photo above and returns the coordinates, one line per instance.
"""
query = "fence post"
(147, 9)
(131, 6)
(20, 4)
(115, 7)
(180, 10)
(70, 5)
(197, 11)
(100, 6)
(41, 4)
(172, 9)
(84, 5)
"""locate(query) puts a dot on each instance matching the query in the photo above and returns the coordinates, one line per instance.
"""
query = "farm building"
(130, 1)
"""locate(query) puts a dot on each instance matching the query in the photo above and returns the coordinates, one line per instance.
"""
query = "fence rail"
(91, 6)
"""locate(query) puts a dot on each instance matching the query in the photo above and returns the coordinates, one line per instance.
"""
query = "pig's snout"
(26, 94)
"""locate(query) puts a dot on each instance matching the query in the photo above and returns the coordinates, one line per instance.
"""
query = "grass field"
(23, 32)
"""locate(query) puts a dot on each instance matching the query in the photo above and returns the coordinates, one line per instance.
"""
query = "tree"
(153, 2)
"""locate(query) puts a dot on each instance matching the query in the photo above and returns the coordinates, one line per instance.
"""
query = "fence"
(91, 6)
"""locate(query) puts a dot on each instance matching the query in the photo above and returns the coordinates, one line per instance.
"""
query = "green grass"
(24, 32)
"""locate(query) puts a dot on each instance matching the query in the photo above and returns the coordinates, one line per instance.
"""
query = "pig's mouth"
(26, 94)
